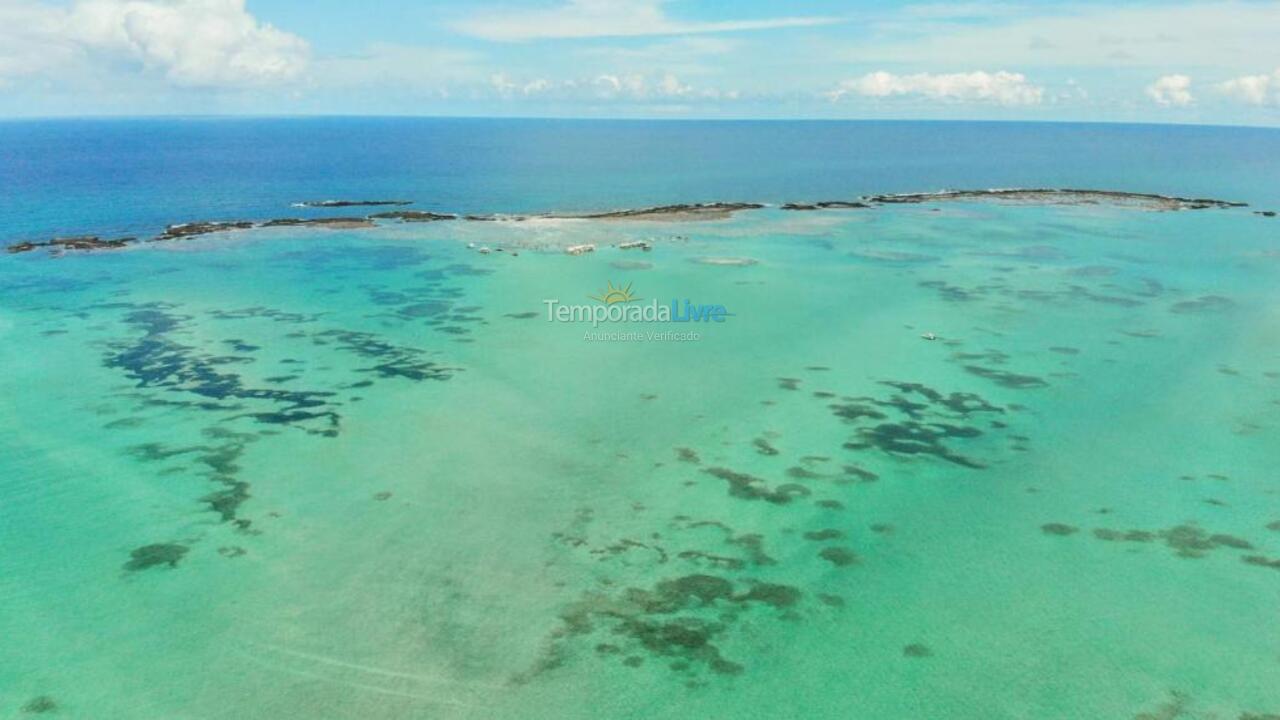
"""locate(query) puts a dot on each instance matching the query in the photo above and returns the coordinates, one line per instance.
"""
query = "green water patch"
(956, 293)
(336, 261)
(893, 257)
(435, 303)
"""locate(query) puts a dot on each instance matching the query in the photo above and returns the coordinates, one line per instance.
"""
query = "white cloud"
(203, 43)
(1206, 33)
(608, 18)
(633, 87)
(1171, 91)
(1003, 88)
(1253, 89)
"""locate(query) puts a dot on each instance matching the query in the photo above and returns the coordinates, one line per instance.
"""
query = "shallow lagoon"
(322, 473)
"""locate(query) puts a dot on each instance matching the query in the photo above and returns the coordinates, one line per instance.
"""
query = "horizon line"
(620, 118)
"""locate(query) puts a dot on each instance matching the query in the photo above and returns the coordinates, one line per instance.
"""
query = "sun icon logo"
(613, 295)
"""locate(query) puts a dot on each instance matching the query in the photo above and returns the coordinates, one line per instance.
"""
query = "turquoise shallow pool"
(296, 473)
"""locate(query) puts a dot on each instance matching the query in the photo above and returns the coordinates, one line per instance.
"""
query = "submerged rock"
(726, 261)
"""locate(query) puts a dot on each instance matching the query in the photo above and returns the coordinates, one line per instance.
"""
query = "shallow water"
(330, 474)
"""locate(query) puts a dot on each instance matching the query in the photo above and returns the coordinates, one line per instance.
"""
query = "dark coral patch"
(1263, 561)
(840, 557)
(669, 621)
(1007, 379)
(750, 487)
(688, 455)
(764, 447)
(149, 556)
(1186, 541)
(1203, 304)
(914, 438)
(1058, 529)
(40, 705)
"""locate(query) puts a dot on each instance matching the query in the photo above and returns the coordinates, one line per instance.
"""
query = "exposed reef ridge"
(686, 212)
(1060, 196)
(413, 216)
(83, 242)
(827, 205)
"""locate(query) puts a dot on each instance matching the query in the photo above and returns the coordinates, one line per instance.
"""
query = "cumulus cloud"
(1253, 89)
(608, 18)
(1003, 88)
(202, 43)
(1171, 91)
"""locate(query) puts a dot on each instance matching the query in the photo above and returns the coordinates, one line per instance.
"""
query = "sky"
(1177, 62)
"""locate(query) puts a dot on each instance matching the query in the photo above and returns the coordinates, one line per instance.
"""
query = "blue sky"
(1190, 62)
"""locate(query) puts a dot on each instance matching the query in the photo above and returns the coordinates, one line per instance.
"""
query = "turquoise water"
(292, 473)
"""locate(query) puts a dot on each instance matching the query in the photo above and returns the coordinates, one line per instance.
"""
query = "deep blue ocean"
(132, 176)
